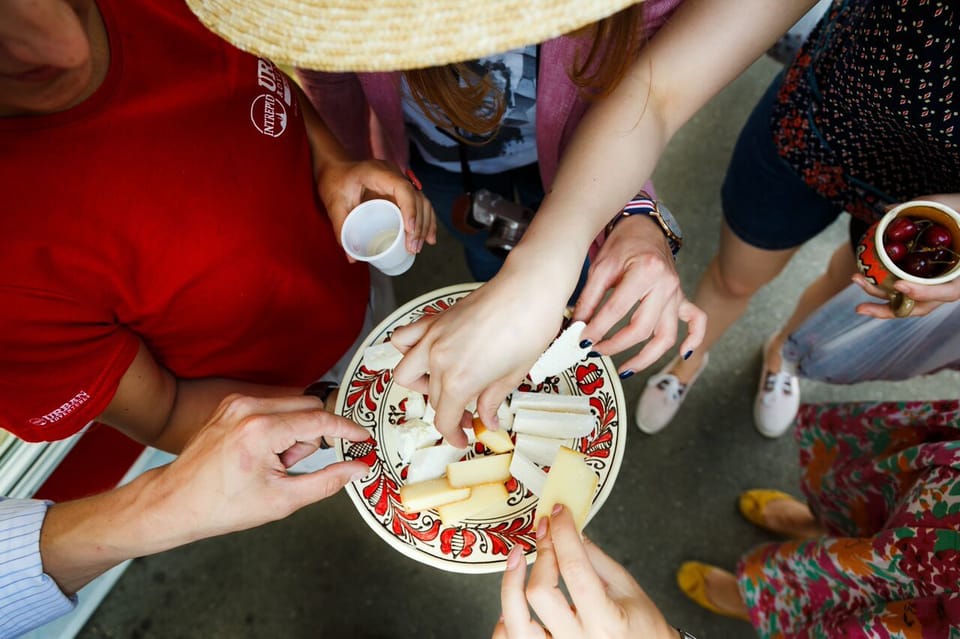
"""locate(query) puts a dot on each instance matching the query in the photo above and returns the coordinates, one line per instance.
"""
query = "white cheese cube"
(540, 450)
(416, 405)
(550, 424)
(570, 482)
(381, 356)
(430, 494)
(531, 476)
(430, 463)
(412, 435)
(561, 355)
(479, 470)
(428, 413)
(483, 498)
(550, 402)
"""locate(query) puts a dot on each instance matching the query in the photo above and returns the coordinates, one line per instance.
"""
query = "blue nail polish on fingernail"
(627, 373)
(594, 354)
(687, 355)
(586, 343)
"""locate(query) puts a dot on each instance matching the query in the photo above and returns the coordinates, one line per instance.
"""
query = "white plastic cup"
(373, 232)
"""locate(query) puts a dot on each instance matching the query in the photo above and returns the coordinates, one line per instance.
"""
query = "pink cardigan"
(364, 111)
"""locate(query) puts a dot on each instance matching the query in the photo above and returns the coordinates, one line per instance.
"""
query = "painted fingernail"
(687, 355)
(513, 559)
(594, 354)
(557, 509)
(627, 373)
(542, 528)
(587, 343)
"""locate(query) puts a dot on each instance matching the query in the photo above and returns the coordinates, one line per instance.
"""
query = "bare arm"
(231, 476)
(615, 149)
(159, 410)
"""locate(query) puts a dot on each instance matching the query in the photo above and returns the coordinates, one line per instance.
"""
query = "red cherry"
(936, 236)
(902, 229)
(896, 251)
(919, 265)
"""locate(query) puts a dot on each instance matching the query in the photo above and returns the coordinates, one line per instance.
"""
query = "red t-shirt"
(175, 206)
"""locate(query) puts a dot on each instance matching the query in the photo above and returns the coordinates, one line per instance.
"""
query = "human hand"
(606, 601)
(636, 262)
(927, 297)
(343, 185)
(481, 348)
(233, 475)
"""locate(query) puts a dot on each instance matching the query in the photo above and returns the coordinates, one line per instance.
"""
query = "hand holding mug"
(910, 256)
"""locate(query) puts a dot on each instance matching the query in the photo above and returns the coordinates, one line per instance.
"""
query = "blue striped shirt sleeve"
(28, 597)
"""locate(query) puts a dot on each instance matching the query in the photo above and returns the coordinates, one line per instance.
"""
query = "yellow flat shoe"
(692, 579)
(753, 502)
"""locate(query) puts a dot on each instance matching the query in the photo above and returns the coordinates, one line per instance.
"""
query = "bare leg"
(721, 589)
(792, 518)
(836, 278)
(733, 276)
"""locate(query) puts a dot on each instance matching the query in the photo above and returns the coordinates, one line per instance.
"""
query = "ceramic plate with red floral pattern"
(476, 545)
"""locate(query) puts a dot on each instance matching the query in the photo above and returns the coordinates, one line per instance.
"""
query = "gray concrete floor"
(323, 573)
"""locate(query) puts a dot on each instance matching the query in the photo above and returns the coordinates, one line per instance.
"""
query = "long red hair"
(463, 102)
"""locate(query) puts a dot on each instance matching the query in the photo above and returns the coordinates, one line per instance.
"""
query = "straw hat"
(387, 35)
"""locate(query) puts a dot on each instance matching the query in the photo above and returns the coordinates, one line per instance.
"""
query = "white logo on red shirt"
(64, 410)
(268, 112)
(268, 115)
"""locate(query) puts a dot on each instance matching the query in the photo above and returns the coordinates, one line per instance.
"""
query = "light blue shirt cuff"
(28, 597)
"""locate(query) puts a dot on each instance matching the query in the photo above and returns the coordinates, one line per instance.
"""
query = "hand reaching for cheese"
(606, 600)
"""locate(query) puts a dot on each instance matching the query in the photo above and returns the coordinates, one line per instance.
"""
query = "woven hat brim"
(392, 35)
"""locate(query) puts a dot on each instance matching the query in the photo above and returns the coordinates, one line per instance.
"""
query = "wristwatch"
(322, 389)
(643, 204)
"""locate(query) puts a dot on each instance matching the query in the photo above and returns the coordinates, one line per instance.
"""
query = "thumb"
(490, 399)
(313, 487)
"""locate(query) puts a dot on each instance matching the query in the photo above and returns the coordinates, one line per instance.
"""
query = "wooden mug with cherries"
(917, 241)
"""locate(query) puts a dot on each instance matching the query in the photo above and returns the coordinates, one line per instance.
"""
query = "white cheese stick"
(430, 494)
(570, 482)
(412, 435)
(381, 356)
(527, 473)
(561, 355)
(505, 415)
(550, 402)
(479, 470)
(550, 424)
(497, 441)
(540, 450)
(430, 463)
(483, 498)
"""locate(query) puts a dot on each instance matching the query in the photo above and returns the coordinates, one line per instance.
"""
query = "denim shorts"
(765, 202)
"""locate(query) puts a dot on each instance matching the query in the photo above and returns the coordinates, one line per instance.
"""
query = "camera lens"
(504, 235)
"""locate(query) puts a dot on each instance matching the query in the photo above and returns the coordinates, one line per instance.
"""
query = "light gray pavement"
(323, 573)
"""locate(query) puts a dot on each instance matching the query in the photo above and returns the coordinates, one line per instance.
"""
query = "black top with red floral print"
(866, 113)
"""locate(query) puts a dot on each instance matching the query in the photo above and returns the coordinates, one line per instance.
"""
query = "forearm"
(195, 402)
(82, 539)
(324, 147)
(618, 143)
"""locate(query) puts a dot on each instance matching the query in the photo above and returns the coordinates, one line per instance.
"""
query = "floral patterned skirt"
(884, 479)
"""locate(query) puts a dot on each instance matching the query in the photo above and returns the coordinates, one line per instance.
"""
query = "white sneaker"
(778, 398)
(662, 396)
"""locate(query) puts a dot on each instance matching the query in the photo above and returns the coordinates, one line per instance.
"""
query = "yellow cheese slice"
(479, 470)
(430, 494)
(483, 498)
(570, 482)
(496, 440)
